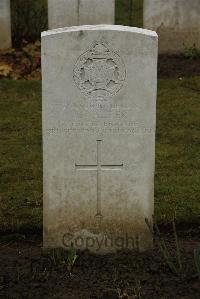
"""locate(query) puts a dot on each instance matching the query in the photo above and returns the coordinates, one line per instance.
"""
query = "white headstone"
(5, 24)
(64, 13)
(177, 23)
(99, 114)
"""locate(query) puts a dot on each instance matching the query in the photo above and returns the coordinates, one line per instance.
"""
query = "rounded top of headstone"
(119, 28)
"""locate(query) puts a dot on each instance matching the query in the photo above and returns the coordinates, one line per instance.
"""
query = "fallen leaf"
(5, 70)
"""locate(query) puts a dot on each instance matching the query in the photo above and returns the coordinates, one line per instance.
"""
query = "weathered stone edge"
(100, 27)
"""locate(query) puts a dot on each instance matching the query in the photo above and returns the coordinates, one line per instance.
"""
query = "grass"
(177, 176)
(21, 159)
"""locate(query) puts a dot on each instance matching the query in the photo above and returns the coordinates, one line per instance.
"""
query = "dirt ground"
(177, 66)
(29, 272)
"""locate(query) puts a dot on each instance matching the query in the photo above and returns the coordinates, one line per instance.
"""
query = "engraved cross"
(98, 167)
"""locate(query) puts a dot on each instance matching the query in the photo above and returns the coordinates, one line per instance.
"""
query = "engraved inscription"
(98, 167)
(105, 128)
(100, 72)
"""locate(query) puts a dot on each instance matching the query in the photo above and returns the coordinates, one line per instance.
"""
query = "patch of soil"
(22, 63)
(177, 66)
(29, 272)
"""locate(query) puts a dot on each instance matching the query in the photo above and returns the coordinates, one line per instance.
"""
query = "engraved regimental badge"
(100, 72)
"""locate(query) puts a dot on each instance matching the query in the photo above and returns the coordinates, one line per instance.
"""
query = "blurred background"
(29, 18)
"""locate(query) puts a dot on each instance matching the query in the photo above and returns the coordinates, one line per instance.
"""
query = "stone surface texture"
(64, 13)
(5, 24)
(177, 23)
(99, 118)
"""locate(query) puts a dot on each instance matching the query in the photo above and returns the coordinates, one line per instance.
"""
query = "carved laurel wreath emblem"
(100, 72)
